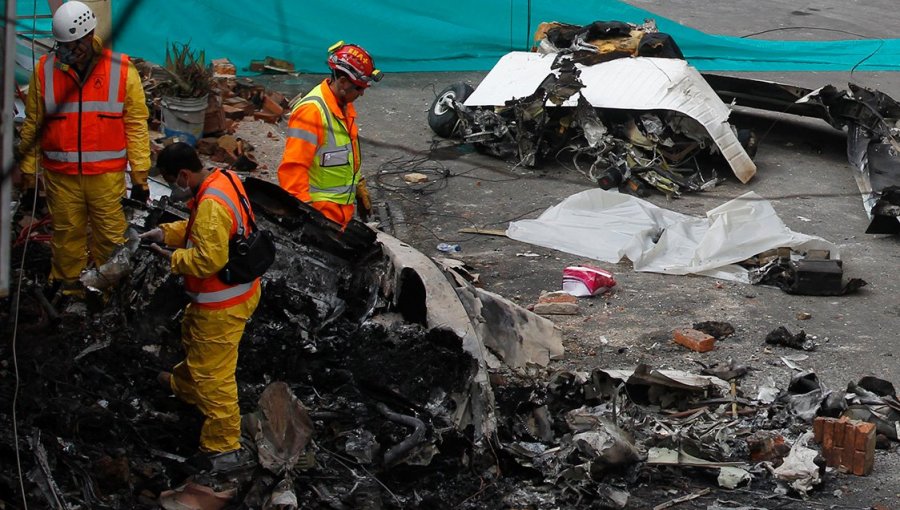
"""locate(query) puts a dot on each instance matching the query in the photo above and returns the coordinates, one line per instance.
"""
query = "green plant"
(187, 68)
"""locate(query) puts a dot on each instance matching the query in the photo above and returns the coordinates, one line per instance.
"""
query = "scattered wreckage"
(742, 240)
(617, 102)
(623, 122)
(870, 118)
(358, 322)
(371, 377)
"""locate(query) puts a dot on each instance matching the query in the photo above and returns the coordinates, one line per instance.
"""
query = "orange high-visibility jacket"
(208, 291)
(307, 132)
(84, 125)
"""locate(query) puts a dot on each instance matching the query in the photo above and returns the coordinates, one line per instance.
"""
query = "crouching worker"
(214, 320)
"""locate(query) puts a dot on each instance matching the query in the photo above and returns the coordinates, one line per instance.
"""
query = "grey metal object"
(870, 117)
(7, 125)
(396, 453)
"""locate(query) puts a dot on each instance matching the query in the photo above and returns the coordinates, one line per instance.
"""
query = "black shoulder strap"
(245, 204)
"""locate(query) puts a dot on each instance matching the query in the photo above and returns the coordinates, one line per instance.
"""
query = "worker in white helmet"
(85, 122)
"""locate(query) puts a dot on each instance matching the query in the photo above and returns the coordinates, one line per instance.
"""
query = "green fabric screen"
(430, 35)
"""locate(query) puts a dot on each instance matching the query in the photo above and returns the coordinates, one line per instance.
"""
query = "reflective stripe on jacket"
(331, 171)
(84, 126)
(209, 291)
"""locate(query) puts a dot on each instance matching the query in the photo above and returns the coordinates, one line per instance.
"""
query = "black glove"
(140, 194)
(361, 209)
(26, 200)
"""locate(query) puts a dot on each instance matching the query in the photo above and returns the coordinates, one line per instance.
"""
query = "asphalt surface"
(802, 171)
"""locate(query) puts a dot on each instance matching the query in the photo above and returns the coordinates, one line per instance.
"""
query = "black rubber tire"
(441, 119)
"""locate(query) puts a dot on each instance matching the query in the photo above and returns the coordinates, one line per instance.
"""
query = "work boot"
(222, 462)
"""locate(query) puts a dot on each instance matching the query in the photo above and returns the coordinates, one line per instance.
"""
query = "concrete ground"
(802, 170)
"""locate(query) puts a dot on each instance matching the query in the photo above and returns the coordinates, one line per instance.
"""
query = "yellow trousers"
(76, 201)
(206, 376)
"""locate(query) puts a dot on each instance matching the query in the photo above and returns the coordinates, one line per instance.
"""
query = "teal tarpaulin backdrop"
(430, 35)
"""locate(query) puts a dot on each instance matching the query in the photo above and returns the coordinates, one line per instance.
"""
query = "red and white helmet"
(354, 62)
(72, 21)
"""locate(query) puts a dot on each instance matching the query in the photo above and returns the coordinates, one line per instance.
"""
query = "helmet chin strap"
(65, 55)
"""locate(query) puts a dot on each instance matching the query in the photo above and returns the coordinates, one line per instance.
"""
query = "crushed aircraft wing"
(641, 83)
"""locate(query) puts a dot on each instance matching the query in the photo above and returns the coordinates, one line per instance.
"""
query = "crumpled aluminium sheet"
(640, 83)
(608, 226)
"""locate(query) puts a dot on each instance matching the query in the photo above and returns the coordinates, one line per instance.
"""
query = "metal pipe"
(52, 314)
(396, 452)
(7, 127)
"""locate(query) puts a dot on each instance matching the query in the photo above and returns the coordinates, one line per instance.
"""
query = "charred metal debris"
(587, 105)
(563, 119)
(870, 118)
(370, 377)
(810, 273)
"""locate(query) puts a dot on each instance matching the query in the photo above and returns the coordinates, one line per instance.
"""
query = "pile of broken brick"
(232, 100)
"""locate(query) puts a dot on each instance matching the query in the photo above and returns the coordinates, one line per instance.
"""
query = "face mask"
(65, 55)
(181, 193)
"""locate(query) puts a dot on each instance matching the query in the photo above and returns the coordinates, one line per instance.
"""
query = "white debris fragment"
(799, 471)
(731, 477)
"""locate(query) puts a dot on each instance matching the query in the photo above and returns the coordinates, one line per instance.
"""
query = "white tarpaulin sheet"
(607, 226)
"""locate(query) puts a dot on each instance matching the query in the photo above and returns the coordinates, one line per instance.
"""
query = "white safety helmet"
(72, 21)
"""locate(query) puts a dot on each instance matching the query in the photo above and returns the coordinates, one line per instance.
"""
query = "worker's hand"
(155, 235)
(140, 193)
(161, 251)
(363, 201)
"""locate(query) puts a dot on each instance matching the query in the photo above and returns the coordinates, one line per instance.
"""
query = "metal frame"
(7, 127)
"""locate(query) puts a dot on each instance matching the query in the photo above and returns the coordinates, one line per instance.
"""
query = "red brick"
(223, 67)
(694, 340)
(557, 297)
(233, 112)
(269, 117)
(841, 429)
(819, 429)
(767, 446)
(865, 433)
(847, 445)
(278, 97)
(828, 434)
(837, 458)
(207, 146)
(270, 105)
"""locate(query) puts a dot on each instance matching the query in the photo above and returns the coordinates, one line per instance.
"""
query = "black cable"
(853, 69)
(806, 28)
(528, 39)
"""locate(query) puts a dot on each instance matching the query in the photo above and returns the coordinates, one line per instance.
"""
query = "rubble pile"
(231, 100)
(378, 410)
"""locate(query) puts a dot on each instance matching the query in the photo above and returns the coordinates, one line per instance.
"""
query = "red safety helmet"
(354, 62)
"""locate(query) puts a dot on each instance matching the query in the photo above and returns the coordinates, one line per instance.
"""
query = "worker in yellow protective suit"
(85, 121)
(214, 320)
